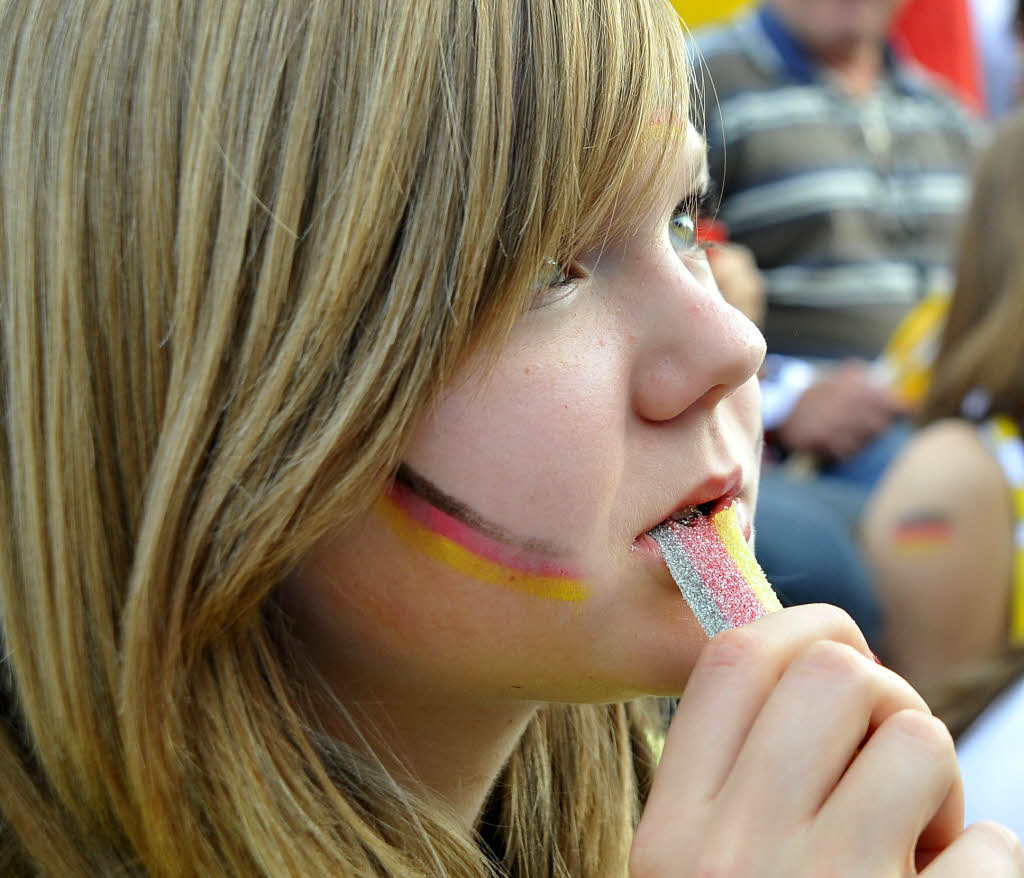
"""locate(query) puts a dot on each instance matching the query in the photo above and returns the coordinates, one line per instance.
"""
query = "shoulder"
(735, 55)
(929, 93)
(717, 39)
(949, 464)
(938, 537)
(930, 497)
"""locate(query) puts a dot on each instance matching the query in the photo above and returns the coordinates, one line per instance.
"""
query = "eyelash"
(557, 281)
(685, 221)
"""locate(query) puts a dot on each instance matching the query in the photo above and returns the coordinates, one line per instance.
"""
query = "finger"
(730, 683)
(890, 400)
(826, 703)
(864, 432)
(843, 444)
(876, 417)
(895, 406)
(982, 849)
(903, 789)
(854, 371)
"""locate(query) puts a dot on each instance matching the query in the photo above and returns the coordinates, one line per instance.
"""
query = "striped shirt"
(850, 205)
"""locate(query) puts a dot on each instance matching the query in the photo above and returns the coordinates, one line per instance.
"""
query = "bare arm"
(938, 537)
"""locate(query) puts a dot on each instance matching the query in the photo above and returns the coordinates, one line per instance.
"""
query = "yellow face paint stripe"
(468, 563)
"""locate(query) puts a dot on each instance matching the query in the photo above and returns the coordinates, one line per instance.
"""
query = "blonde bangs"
(637, 125)
(603, 115)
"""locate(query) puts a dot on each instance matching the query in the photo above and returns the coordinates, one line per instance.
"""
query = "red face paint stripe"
(440, 522)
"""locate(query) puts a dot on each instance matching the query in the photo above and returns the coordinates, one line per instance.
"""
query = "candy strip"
(715, 570)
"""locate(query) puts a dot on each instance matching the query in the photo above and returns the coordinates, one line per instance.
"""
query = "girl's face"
(509, 560)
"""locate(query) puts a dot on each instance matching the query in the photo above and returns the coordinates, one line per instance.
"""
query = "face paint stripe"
(424, 512)
(453, 514)
(464, 560)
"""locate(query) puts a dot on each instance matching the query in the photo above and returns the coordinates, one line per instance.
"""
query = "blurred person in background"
(944, 532)
(843, 166)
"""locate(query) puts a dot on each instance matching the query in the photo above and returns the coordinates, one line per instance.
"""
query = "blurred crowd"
(866, 209)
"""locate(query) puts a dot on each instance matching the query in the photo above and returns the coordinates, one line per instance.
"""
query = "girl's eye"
(682, 229)
(690, 241)
(555, 282)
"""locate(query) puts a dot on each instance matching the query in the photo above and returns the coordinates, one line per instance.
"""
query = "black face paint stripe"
(427, 490)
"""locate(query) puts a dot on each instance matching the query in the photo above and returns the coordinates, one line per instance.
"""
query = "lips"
(691, 514)
(713, 495)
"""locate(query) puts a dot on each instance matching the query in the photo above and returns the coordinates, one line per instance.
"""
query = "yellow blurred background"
(698, 12)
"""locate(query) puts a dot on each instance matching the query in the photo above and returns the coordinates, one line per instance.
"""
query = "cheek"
(538, 439)
(373, 608)
(458, 547)
(747, 402)
(363, 591)
(743, 436)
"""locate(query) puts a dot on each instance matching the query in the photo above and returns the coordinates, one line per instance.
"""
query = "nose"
(693, 348)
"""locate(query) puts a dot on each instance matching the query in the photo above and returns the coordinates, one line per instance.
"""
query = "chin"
(662, 680)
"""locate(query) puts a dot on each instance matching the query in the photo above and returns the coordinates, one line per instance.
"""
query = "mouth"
(714, 496)
(690, 515)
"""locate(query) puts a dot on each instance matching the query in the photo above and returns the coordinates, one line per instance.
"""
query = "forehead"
(684, 170)
(667, 169)
(693, 160)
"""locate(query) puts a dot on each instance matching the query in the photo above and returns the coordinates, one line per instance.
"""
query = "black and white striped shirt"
(850, 205)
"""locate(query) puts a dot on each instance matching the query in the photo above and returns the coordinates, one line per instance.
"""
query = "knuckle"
(927, 734)
(837, 661)
(837, 623)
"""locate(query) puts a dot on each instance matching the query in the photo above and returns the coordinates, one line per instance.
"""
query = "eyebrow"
(463, 512)
(695, 155)
(696, 200)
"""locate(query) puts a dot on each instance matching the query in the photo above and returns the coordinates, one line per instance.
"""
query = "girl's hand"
(792, 753)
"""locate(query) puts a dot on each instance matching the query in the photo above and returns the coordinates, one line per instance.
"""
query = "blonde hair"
(242, 243)
(982, 347)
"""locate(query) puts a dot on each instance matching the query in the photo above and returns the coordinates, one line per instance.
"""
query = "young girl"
(944, 529)
(349, 352)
